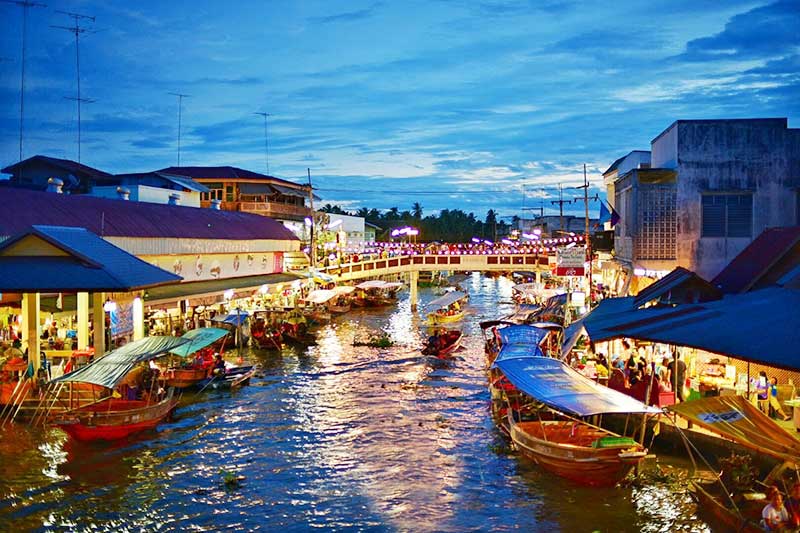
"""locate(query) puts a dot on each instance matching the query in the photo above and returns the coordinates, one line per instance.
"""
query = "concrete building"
(551, 225)
(154, 187)
(355, 229)
(710, 188)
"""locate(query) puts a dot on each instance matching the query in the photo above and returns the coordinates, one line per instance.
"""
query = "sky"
(471, 105)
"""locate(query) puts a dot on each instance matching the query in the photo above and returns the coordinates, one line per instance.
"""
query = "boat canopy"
(515, 351)
(447, 300)
(735, 418)
(344, 289)
(521, 334)
(320, 296)
(559, 386)
(486, 324)
(234, 319)
(392, 284)
(371, 284)
(198, 339)
(532, 289)
(109, 370)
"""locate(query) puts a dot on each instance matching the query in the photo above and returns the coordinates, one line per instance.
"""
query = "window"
(214, 193)
(727, 215)
(657, 222)
(229, 193)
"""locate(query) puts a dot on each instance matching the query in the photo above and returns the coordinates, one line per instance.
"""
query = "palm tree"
(416, 210)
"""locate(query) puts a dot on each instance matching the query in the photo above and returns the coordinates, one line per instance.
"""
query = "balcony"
(267, 209)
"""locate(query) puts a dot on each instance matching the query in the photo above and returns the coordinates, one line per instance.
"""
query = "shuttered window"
(727, 215)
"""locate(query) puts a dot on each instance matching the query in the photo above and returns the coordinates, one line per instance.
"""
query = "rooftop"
(227, 172)
(66, 164)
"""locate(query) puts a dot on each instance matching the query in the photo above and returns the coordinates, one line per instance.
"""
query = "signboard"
(570, 261)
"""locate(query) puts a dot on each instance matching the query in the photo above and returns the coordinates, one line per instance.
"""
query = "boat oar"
(209, 383)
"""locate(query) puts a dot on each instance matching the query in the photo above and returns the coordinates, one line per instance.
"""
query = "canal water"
(334, 438)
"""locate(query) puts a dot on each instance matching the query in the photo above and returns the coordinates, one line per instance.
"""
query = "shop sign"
(570, 261)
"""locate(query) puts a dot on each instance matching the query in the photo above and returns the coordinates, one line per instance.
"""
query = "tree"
(416, 211)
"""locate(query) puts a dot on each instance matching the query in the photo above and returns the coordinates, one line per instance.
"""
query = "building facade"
(710, 187)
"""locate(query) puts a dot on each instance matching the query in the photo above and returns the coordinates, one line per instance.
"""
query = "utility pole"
(560, 203)
(586, 238)
(180, 107)
(77, 30)
(24, 4)
(313, 221)
(266, 139)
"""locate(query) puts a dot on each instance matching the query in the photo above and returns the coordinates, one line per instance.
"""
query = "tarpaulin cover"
(234, 319)
(512, 351)
(521, 334)
(448, 299)
(555, 384)
(198, 339)
(739, 420)
(109, 370)
(571, 336)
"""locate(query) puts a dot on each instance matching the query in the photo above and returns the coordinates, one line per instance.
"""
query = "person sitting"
(762, 388)
(773, 399)
(219, 366)
(775, 515)
(198, 359)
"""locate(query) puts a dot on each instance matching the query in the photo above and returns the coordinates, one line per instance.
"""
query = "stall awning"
(289, 191)
(555, 384)
(735, 418)
(198, 339)
(109, 370)
(447, 300)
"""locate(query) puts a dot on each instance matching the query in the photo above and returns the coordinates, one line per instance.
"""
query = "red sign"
(570, 271)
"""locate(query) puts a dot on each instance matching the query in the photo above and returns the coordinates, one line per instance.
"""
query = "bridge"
(415, 263)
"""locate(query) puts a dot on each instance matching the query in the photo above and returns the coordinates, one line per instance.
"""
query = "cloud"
(349, 16)
(763, 32)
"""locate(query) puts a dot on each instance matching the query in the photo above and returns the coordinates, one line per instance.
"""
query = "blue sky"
(453, 104)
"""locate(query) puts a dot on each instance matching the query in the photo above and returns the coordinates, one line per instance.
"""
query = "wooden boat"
(574, 450)
(713, 503)
(113, 419)
(443, 344)
(376, 293)
(198, 357)
(234, 377)
(448, 308)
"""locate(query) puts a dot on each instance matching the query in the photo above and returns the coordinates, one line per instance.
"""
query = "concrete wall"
(728, 156)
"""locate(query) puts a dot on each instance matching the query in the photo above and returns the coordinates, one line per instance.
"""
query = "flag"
(607, 214)
(60, 301)
(615, 218)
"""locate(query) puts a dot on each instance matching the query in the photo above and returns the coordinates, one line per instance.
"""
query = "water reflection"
(335, 436)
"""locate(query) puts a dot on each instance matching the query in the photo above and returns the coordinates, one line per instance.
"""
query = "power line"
(77, 30)
(180, 96)
(24, 4)
(266, 138)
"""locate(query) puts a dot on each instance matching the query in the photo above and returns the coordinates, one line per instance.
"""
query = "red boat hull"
(116, 419)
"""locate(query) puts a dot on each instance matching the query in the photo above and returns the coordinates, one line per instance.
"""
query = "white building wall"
(145, 193)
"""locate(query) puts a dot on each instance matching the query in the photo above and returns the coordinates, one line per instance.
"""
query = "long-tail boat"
(448, 308)
(443, 344)
(109, 417)
(736, 419)
(569, 446)
(199, 347)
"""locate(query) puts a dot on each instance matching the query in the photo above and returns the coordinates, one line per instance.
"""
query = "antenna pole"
(77, 30)
(266, 138)
(180, 106)
(313, 221)
(560, 203)
(24, 4)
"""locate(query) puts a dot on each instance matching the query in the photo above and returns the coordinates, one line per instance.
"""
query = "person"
(793, 505)
(775, 515)
(677, 372)
(762, 388)
(662, 373)
(773, 399)
(219, 365)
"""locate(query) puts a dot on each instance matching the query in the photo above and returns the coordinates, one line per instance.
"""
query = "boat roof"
(735, 418)
(371, 284)
(320, 296)
(564, 389)
(108, 370)
(527, 288)
(198, 339)
(234, 319)
(447, 300)
(344, 289)
(521, 334)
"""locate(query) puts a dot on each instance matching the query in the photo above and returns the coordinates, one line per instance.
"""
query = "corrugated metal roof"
(67, 164)
(93, 264)
(698, 289)
(214, 286)
(754, 261)
(119, 218)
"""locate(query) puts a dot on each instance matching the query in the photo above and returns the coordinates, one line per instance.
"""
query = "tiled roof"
(755, 260)
(67, 164)
(120, 218)
(91, 264)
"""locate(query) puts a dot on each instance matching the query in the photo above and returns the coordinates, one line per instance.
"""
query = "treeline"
(450, 225)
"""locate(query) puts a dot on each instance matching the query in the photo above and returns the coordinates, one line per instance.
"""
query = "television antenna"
(25, 5)
(266, 138)
(180, 96)
(77, 30)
